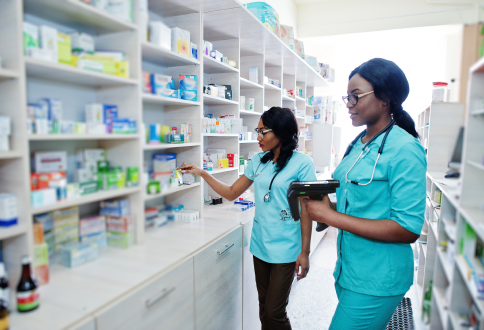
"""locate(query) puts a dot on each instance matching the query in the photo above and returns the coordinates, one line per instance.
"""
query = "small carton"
(160, 34)
(82, 42)
(50, 161)
(180, 41)
(48, 41)
(188, 87)
(30, 36)
(115, 207)
(64, 48)
(161, 82)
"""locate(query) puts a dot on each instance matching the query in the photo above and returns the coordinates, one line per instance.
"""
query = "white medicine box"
(4, 143)
(160, 34)
(50, 161)
(254, 74)
(5, 125)
(8, 206)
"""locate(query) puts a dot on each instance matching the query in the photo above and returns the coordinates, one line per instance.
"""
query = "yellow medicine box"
(64, 53)
(223, 163)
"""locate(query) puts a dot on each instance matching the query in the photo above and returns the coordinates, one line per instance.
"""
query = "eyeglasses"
(261, 133)
(353, 98)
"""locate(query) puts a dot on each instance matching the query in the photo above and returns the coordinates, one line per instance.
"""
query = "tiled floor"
(313, 300)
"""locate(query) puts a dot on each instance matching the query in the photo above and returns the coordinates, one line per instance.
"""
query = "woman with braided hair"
(381, 200)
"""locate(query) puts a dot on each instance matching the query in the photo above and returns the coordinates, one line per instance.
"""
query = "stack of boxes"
(122, 9)
(163, 85)
(8, 210)
(120, 224)
(227, 124)
(176, 39)
(218, 158)
(216, 55)
(41, 255)
(48, 179)
(93, 230)
(75, 49)
(5, 131)
(156, 134)
(65, 230)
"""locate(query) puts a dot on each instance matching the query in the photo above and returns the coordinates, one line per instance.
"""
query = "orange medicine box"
(41, 180)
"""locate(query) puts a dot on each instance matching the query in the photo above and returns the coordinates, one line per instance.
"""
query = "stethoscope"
(267, 197)
(366, 149)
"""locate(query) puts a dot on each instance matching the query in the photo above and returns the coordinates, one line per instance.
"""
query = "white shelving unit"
(452, 256)
(231, 28)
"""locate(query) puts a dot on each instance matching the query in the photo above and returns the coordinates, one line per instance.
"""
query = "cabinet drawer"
(250, 298)
(218, 284)
(166, 302)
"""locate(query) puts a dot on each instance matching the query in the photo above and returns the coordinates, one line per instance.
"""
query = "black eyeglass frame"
(347, 99)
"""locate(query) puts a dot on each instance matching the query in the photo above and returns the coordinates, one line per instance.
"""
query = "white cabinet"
(166, 302)
(218, 284)
(250, 298)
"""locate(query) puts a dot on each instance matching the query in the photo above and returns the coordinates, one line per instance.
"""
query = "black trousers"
(273, 286)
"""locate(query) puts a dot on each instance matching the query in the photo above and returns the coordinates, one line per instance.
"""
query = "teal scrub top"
(397, 193)
(276, 237)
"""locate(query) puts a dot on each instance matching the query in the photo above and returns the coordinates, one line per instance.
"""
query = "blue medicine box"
(114, 207)
(160, 82)
(188, 87)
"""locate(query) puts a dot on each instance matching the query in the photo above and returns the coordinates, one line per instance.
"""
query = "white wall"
(331, 17)
(287, 10)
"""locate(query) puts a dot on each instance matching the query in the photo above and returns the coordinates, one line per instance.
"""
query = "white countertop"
(74, 294)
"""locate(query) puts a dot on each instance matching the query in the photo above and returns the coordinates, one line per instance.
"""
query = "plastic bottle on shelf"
(27, 293)
(4, 288)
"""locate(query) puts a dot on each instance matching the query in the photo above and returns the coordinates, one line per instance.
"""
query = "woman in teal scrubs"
(279, 244)
(380, 203)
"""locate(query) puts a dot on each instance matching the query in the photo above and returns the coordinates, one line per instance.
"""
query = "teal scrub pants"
(358, 311)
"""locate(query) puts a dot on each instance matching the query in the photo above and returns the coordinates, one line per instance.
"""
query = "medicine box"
(48, 41)
(160, 34)
(207, 47)
(64, 48)
(194, 51)
(74, 255)
(46, 219)
(86, 188)
(43, 180)
(188, 87)
(160, 82)
(8, 210)
(180, 41)
(5, 126)
(43, 197)
(82, 42)
(91, 155)
(96, 128)
(53, 107)
(100, 113)
(122, 9)
(169, 93)
(254, 74)
(92, 225)
(66, 217)
(50, 161)
(120, 240)
(154, 134)
(115, 207)
(147, 88)
(30, 36)
(164, 162)
(99, 238)
(124, 126)
(120, 224)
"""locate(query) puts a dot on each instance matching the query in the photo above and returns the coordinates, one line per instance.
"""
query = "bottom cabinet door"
(166, 302)
(250, 299)
(218, 284)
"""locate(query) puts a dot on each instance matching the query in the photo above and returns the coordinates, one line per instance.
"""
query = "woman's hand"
(321, 211)
(303, 262)
(192, 169)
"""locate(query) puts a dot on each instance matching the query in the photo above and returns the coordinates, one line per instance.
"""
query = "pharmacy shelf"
(12, 231)
(72, 137)
(298, 98)
(424, 249)
(475, 164)
(10, 154)
(211, 65)
(301, 117)
(308, 140)
(215, 100)
(477, 112)
(309, 106)
(445, 263)
(163, 100)
(475, 218)
(250, 113)
(268, 86)
(6, 74)
(165, 57)
(162, 146)
(91, 198)
(247, 84)
(251, 141)
(77, 14)
(439, 296)
(463, 268)
(171, 191)
(223, 170)
(455, 322)
(73, 75)
(287, 98)
(220, 135)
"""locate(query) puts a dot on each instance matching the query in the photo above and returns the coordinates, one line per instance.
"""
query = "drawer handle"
(153, 301)
(225, 250)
